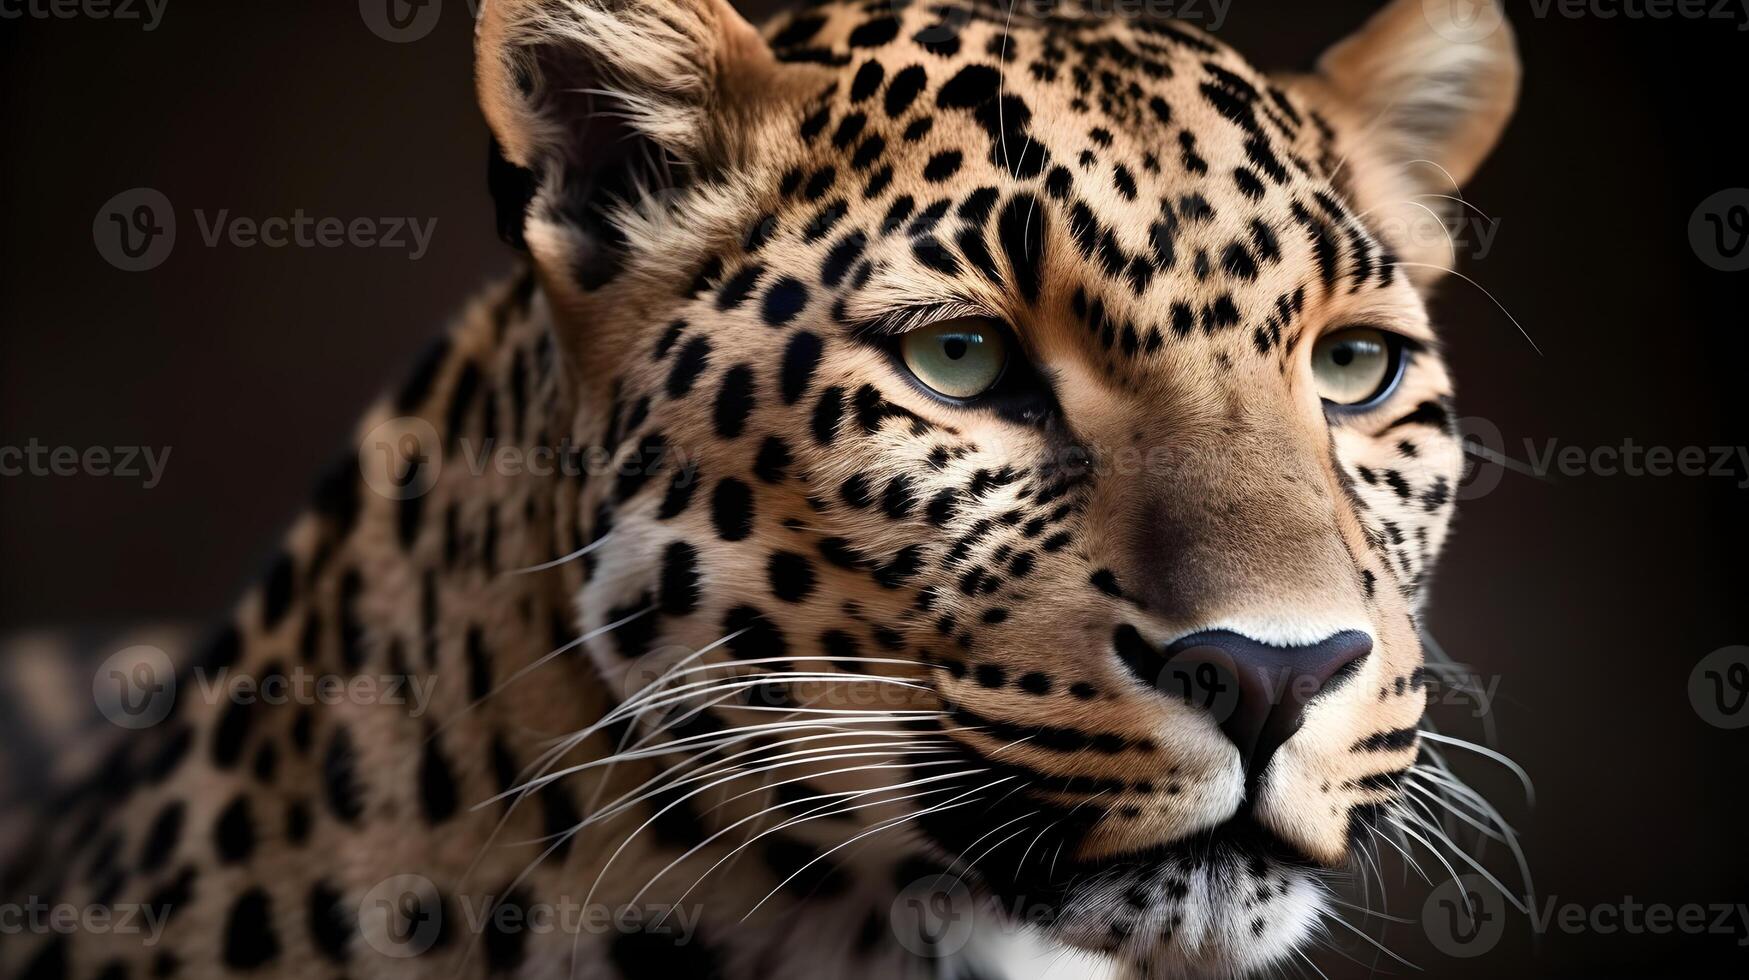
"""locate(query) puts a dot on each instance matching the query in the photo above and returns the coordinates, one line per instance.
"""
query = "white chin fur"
(1218, 920)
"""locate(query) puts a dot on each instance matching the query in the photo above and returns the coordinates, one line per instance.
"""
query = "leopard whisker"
(874, 830)
(1474, 865)
(556, 562)
(811, 814)
(566, 647)
(1351, 927)
(1484, 291)
(1524, 779)
(745, 733)
(677, 802)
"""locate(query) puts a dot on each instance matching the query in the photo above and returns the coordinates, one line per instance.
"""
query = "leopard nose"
(1258, 693)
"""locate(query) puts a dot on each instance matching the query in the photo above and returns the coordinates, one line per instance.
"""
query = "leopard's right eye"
(958, 359)
(1357, 367)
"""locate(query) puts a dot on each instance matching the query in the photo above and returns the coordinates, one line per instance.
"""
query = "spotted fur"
(954, 621)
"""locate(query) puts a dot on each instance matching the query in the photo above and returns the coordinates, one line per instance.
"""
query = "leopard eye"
(1357, 366)
(960, 358)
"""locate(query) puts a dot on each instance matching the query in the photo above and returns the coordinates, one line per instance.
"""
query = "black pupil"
(954, 347)
(1343, 355)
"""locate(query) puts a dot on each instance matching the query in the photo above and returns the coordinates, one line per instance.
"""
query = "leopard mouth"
(1227, 901)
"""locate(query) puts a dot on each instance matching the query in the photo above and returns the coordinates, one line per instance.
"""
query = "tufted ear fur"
(594, 104)
(1418, 97)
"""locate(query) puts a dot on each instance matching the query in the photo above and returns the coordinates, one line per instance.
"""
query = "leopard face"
(1057, 396)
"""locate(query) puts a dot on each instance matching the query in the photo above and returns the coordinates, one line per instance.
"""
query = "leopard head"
(1063, 383)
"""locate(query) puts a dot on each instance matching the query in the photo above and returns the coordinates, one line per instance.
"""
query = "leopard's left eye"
(1357, 367)
(959, 358)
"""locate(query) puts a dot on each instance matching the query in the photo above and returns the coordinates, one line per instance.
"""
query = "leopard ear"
(594, 103)
(1418, 97)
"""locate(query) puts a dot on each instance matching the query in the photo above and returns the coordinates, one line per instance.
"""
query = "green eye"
(1355, 366)
(960, 358)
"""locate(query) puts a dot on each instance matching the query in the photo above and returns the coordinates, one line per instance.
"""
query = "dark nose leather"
(1258, 693)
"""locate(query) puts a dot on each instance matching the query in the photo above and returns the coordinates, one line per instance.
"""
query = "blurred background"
(1583, 603)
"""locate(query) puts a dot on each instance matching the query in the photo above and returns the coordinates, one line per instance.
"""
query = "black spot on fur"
(771, 465)
(791, 575)
(906, 86)
(162, 837)
(734, 401)
(800, 357)
(867, 81)
(691, 362)
(438, 794)
(339, 778)
(234, 832)
(330, 920)
(874, 33)
(505, 936)
(759, 637)
(250, 941)
(732, 509)
(680, 581)
(232, 731)
(276, 595)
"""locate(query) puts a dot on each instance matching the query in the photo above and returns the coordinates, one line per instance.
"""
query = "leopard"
(948, 490)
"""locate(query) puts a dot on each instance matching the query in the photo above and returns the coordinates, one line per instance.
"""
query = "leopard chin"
(1232, 900)
(1226, 915)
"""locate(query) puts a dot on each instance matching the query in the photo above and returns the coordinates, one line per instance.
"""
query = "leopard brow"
(909, 318)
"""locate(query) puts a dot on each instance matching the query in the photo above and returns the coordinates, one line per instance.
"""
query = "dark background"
(1588, 598)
